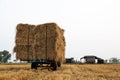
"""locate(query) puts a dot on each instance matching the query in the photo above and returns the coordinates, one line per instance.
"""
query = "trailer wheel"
(34, 66)
(54, 65)
(59, 64)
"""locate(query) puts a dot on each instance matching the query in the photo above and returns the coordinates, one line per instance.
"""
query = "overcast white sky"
(92, 27)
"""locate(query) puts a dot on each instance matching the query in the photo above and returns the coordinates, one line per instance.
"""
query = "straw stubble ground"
(66, 72)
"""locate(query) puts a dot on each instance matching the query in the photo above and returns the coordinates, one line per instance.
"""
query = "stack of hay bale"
(47, 42)
(24, 41)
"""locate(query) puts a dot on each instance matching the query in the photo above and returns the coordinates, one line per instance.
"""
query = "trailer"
(42, 45)
(46, 63)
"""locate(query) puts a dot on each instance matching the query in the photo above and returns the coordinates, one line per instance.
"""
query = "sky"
(92, 27)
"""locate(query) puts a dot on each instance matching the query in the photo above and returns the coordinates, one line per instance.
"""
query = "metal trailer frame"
(51, 64)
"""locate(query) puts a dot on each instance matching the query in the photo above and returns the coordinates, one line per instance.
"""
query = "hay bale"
(24, 52)
(39, 52)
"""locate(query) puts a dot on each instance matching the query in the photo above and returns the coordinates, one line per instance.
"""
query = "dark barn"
(69, 60)
(92, 59)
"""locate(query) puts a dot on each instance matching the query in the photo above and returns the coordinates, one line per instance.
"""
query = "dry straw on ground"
(66, 72)
(44, 41)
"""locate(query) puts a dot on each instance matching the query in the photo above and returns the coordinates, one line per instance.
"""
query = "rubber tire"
(55, 66)
(34, 66)
(59, 64)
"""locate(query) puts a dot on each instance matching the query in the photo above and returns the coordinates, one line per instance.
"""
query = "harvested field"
(66, 72)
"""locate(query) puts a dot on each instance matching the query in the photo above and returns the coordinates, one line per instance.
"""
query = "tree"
(4, 56)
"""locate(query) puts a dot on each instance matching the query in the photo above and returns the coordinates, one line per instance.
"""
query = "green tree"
(4, 56)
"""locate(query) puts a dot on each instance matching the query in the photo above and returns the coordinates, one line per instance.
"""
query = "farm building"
(92, 59)
(69, 60)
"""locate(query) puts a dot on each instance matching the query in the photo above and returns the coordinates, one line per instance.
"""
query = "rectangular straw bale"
(24, 34)
(39, 52)
(23, 52)
(21, 41)
(22, 27)
(39, 29)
